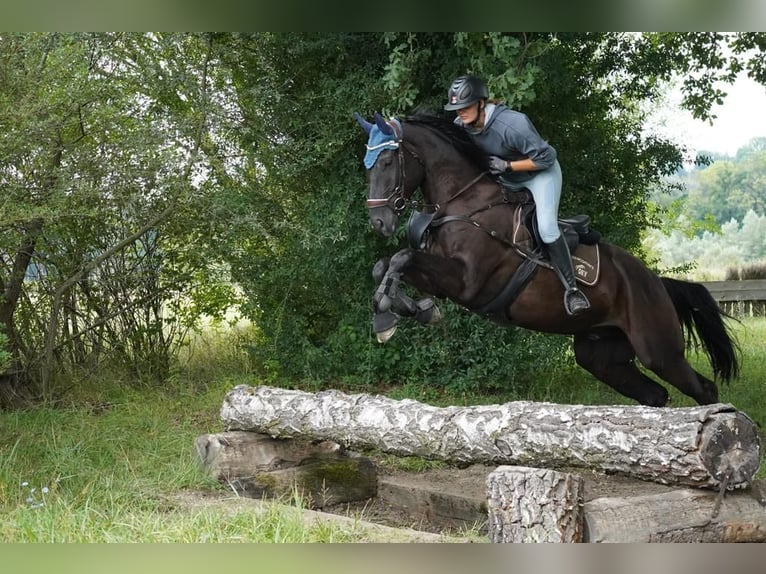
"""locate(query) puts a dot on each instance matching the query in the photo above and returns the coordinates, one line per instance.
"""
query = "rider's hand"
(497, 164)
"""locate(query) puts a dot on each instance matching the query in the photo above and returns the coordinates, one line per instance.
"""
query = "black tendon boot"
(575, 300)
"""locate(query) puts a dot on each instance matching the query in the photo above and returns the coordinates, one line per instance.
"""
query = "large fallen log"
(698, 446)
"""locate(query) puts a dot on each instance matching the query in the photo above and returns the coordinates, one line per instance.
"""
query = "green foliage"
(716, 218)
(153, 178)
(729, 187)
(304, 253)
(103, 147)
(736, 244)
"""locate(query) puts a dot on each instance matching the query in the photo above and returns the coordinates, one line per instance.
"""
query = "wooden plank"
(676, 516)
(746, 290)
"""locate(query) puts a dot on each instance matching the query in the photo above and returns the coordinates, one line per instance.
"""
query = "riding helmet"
(464, 91)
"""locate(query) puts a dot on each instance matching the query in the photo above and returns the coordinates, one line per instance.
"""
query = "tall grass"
(107, 463)
(108, 472)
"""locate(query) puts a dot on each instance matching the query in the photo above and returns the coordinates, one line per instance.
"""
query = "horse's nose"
(378, 225)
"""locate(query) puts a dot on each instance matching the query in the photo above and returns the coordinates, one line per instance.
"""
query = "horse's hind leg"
(679, 373)
(608, 355)
(663, 354)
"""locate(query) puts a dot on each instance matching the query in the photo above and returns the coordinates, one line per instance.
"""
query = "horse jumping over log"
(473, 242)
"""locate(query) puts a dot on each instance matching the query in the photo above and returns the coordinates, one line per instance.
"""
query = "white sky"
(741, 118)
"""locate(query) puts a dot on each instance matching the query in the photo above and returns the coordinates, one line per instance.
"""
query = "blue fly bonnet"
(383, 135)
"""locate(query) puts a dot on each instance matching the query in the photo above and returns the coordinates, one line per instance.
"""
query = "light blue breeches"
(546, 191)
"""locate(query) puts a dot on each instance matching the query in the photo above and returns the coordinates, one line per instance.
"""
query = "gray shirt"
(512, 136)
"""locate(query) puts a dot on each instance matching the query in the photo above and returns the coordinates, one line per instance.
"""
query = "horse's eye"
(387, 160)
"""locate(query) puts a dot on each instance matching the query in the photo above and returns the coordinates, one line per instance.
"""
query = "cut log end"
(730, 446)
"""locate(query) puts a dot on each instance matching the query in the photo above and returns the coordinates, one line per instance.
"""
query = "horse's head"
(393, 175)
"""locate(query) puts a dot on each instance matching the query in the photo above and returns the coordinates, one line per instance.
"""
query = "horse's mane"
(454, 135)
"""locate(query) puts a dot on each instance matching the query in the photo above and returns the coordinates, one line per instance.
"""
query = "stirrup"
(575, 301)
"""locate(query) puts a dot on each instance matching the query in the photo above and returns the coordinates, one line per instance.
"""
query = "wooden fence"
(746, 297)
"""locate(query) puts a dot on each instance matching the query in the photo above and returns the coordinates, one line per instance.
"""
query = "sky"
(741, 118)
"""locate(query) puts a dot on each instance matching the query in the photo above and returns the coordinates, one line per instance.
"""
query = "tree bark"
(534, 505)
(676, 516)
(694, 446)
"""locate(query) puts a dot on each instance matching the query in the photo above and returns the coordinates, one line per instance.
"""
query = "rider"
(521, 159)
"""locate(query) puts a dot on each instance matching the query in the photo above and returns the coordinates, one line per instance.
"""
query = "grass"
(109, 472)
(108, 465)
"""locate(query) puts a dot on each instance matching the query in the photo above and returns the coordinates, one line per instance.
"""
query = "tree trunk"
(13, 383)
(694, 446)
(534, 505)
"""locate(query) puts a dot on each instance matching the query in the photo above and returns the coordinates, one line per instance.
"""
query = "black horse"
(474, 243)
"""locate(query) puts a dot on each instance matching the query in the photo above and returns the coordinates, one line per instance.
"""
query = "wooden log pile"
(710, 448)
(697, 446)
(541, 505)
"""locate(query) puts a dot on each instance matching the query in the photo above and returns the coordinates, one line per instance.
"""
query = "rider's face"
(469, 114)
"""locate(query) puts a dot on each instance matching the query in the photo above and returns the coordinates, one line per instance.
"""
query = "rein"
(462, 189)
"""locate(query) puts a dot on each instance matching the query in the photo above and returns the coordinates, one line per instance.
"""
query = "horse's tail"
(702, 321)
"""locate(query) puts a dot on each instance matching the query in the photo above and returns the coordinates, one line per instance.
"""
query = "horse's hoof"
(385, 336)
(428, 312)
(436, 315)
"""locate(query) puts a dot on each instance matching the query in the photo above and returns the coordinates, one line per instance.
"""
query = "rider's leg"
(575, 300)
(546, 191)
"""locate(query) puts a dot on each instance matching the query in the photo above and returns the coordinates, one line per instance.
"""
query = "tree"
(305, 269)
(141, 171)
(103, 142)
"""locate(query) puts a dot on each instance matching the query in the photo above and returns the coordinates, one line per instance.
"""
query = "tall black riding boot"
(575, 300)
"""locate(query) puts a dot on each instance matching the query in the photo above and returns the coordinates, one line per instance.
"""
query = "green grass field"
(108, 465)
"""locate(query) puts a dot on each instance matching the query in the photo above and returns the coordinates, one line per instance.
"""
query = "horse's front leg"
(424, 272)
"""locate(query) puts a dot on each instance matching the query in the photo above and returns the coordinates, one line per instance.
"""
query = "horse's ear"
(384, 127)
(366, 126)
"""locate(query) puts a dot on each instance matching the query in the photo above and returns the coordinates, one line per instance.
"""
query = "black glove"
(497, 164)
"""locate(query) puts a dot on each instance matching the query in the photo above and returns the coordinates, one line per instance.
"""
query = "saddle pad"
(586, 259)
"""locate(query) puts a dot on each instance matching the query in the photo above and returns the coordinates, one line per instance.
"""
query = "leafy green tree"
(105, 139)
(716, 191)
(728, 188)
(305, 266)
(141, 172)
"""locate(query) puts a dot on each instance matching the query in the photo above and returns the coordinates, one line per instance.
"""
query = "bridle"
(396, 200)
